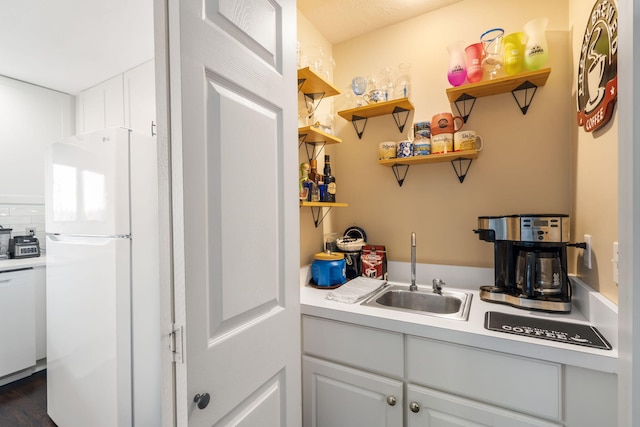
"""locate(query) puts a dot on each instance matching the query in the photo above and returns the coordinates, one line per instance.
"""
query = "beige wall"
(534, 163)
(311, 238)
(596, 176)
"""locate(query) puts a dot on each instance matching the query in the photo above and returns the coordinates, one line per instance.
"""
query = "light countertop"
(588, 307)
(14, 264)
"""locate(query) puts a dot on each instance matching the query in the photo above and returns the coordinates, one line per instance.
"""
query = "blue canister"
(329, 269)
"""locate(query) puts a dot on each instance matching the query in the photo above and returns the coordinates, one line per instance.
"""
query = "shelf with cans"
(315, 89)
(450, 144)
(522, 86)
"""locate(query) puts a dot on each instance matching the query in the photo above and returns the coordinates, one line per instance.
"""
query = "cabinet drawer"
(518, 383)
(367, 348)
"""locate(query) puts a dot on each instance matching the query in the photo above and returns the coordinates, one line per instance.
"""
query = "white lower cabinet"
(336, 395)
(431, 408)
(18, 319)
(360, 376)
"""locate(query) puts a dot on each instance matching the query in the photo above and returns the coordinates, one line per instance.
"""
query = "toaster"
(24, 247)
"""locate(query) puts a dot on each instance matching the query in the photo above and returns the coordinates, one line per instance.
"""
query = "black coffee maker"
(530, 256)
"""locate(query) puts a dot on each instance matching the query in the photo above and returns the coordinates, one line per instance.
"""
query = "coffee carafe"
(539, 271)
(530, 257)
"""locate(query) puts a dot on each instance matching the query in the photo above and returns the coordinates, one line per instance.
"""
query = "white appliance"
(103, 321)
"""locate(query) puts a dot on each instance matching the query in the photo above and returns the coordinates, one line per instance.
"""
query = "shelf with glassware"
(399, 108)
(314, 88)
(522, 86)
(400, 166)
(314, 135)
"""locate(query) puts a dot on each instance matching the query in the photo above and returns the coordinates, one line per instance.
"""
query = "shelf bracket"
(461, 171)
(397, 112)
(355, 120)
(301, 138)
(400, 172)
(313, 97)
(315, 213)
(301, 83)
(314, 154)
(465, 100)
(522, 98)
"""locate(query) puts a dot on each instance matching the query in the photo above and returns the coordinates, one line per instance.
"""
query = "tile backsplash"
(22, 217)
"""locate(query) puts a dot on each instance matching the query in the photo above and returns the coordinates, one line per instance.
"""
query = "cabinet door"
(334, 395)
(140, 98)
(90, 110)
(18, 319)
(436, 409)
(101, 106)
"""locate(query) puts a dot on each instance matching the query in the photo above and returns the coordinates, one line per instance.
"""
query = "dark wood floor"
(24, 402)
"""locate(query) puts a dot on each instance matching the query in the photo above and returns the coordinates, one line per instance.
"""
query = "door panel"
(241, 180)
(235, 211)
(254, 23)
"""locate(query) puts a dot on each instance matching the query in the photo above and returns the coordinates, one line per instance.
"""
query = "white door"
(233, 144)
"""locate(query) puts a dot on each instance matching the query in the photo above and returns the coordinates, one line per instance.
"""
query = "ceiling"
(71, 45)
(340, 20)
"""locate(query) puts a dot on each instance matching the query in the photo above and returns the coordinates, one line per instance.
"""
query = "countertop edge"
(472, 332)
(14, 264)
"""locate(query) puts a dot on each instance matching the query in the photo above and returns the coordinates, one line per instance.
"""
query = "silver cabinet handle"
(414, 407)
(391, 400)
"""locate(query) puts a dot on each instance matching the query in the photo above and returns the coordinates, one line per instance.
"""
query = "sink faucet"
(437, 286)
(413, 286)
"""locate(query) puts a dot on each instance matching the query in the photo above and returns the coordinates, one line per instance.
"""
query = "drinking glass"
(474, 62)
(403, 85)
(536, 50)
(457, 71)
(493, 51)
(513, 53)
(359, 86)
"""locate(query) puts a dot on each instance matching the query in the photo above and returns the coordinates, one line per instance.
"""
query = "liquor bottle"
(329, 181)
(313, 172)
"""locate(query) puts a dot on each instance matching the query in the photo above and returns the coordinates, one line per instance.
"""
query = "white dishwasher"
(18, 320)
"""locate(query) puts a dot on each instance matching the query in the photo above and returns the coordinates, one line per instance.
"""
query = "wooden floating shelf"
(324, 204)
(500, 85)
(313, 83)
(376, 109)
(431, 158)
(316, 135)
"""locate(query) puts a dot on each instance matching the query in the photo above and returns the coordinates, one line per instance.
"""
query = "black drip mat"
(552, 330)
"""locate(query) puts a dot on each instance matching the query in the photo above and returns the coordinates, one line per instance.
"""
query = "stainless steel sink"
(450, 305)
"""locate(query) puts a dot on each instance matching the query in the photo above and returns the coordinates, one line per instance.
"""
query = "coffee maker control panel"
(553, 229)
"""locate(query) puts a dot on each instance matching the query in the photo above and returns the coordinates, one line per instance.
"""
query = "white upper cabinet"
(126, 100)
(101, 106)
(140, 99)
(31, 117)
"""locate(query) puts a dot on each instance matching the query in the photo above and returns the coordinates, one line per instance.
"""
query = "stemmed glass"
(359, 86)
(387, 82)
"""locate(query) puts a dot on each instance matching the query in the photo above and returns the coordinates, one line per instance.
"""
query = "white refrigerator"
(103, 321)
